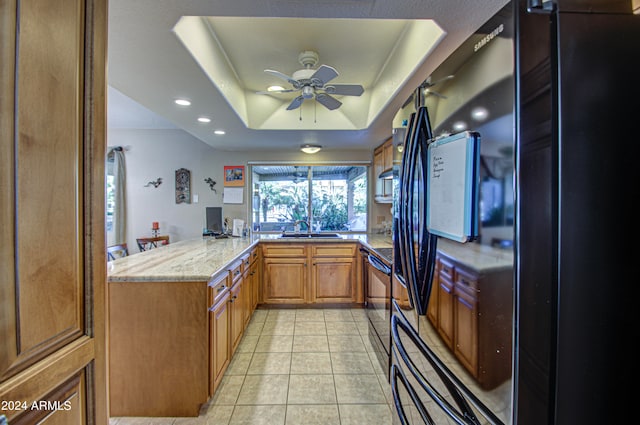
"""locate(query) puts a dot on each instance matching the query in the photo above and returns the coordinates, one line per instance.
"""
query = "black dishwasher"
(377, 293)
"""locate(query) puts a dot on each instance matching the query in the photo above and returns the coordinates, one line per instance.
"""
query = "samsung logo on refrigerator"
(487, 38)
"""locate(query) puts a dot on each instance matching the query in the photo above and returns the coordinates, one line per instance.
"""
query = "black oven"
(377, 292)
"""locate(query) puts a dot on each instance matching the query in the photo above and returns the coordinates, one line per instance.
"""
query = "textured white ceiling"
(365, 40)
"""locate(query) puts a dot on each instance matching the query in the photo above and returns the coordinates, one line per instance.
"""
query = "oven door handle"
(379, 265)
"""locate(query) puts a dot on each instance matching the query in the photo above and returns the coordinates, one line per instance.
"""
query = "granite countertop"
(481, 258)
(201, 258)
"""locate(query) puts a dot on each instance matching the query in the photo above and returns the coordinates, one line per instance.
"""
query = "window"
(318, 198)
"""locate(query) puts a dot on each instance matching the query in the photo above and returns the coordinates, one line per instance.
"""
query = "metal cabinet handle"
(220, 289)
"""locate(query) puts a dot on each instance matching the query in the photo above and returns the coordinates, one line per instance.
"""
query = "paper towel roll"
(238, 226)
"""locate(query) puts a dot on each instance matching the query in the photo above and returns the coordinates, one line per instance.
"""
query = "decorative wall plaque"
(183, 186)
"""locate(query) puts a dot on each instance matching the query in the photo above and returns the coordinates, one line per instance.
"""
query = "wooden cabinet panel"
(387, 154)
(237, 312)
(466, 330)
(52, 250)
(472, 313)
(382, 161)
(219, 351)
(333, 250)
(66, 405)
(378, 167)
(445, 309)
(219, 324)
(284, 250)
(285, 280)
(158, 325)
(254, 278)
(332, 280)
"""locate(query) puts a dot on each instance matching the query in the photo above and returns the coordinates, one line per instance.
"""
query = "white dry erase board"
(453, 173)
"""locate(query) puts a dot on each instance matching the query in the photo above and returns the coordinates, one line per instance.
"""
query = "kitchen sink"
(310, 235)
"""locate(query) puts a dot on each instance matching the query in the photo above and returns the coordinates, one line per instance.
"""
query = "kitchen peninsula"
(176, 314)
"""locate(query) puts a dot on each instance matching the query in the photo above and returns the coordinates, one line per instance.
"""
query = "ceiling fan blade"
(283, 76)
(323, 75)
(427, 92)
(276, 91)
(345, 89)
(328, 102)
(428, 83)
(295, 103)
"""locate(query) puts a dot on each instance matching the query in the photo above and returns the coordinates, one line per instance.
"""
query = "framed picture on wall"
(183, 186)
(234, 175)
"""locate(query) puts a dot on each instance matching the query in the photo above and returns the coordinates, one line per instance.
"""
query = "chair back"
(145, 244)
(117, 251)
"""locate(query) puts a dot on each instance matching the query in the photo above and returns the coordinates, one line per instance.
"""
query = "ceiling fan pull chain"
(300, 109)
(315, 111)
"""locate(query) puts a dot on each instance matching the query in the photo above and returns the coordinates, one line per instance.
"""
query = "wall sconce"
(211, 183)
(154, 183)
(310, 148)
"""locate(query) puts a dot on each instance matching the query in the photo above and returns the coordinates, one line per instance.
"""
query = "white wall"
(159, 153)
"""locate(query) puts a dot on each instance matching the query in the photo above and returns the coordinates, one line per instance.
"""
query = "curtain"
(119, 172)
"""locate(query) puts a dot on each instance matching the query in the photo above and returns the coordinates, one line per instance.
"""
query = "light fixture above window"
(310, 148)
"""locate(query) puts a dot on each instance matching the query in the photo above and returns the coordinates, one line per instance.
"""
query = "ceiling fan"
(312, 83)
(425, 87)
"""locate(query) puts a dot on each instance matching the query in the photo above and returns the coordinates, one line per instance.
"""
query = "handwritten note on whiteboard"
(453, 185)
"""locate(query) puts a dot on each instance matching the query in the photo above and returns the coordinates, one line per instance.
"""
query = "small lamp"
(310, 148)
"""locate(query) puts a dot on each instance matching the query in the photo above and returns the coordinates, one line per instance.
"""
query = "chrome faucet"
(297, 223)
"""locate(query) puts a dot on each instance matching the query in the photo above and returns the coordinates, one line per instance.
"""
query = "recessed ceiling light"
(219, 132)
(204, 119)
(479, 113)
(182, 102)
(275, 88)
(459, 125)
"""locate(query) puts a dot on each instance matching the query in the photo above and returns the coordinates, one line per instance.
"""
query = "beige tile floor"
(297, 366)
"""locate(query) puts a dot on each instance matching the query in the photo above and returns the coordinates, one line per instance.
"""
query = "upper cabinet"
(383, 162)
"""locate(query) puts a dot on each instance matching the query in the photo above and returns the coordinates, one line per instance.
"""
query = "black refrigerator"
(577, 160)
(573, 91)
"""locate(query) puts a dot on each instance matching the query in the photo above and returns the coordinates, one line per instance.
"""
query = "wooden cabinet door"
(237, 309)
(220, 354)
(247, 293)
(445, 310)
(387, 184)
(465, 344)
(52, 247)
(332, 280)
(378, 167)
(254, 277)
(285, 280)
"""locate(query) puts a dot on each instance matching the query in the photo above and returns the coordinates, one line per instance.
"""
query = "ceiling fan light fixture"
(275, 88)
(310, 149)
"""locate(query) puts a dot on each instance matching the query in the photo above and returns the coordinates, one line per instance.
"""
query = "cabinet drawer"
(284, 250)
(254, 254)
(235, 270)
(218, 287)
(466, 281)
(333, 250)
(445, 267)
(246, 261)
